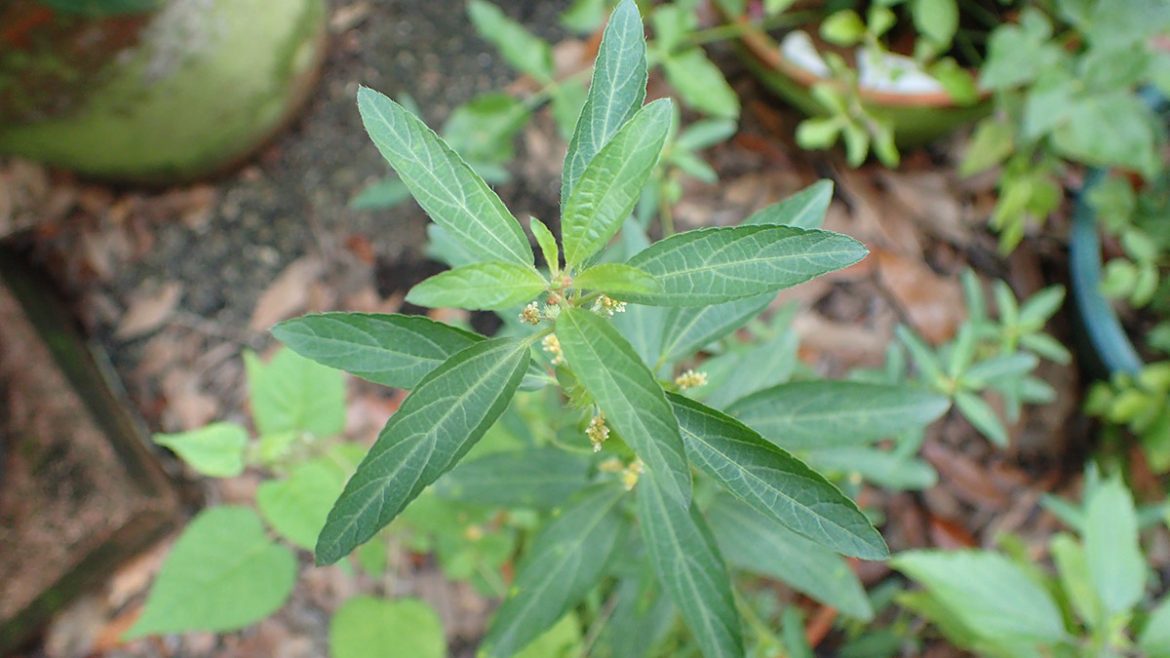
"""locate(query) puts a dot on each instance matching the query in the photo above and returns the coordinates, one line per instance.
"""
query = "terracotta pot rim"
(767, 52)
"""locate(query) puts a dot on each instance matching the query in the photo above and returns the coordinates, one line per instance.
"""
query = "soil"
(175, 283)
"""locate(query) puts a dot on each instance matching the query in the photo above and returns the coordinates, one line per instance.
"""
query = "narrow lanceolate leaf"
(523, 50)
(548, 244)
(757, 543)
(691, 570)
(715, 265)
(616, 92)
(628, 394)
(805, 209)
(821, 414)
(392, 350)
(444, 185)
(483, 286)
(436, 425)
(616, 280)
(610, 186)
(564, 562)
(542, 478)
(774, 482)
(690, 329)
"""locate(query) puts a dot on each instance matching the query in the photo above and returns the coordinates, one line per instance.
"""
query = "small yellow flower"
(631, 474)
(611, 465)
(552, 345)
(607, 306)
(690, 379)
(530, 314)
(473, 533)
(597, 431)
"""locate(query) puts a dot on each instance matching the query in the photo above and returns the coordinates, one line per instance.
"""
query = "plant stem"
(734, 30)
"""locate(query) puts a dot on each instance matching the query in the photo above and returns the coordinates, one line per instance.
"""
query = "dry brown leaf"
(150, 307)
(188, 406)
(933, 304)
(288, 294)
(929, 200)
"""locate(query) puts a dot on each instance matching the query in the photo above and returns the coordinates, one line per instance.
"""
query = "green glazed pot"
(917, 118)
(155, 91)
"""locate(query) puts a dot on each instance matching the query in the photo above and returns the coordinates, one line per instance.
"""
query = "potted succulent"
(152, 90)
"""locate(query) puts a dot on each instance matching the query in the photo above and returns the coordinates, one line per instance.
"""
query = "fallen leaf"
(288, 293)
(150, 307)
(933, 304)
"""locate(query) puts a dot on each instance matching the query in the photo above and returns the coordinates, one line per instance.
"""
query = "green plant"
(1003, 604)
(1141, 404)
(1066, 80)
(604, 337)
(233, 565)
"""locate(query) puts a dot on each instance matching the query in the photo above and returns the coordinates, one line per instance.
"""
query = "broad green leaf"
(392, 350)
(548, 244)
(523, 50)
(1112, 552)
(820, 414)
(688, 330)
(700, 84)
(564, 562)
(368, 627)
(1110, 129)
(987, 593)
(774, 482)
(293, 394)
(223, 573)
(633, 402)
(297, 506)
(715, 265)
(980, 414)
(616, 280)
(489, 285)
(641, 616)
(541, 478)
(608, 189)
(446, 414)
(757, 543)
(1155, 636)
(215, 451)
(615, 94)
(805, 209)
(690, 569)
(444, 185)
(1075, 580)
(937, 20)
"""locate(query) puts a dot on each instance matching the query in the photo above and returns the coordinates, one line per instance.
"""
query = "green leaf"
(563, 564)
(987, 593)
(1110, 129)
(392, 350)
(714, 265)
(483, 129)
(882, 467)
(992, 143)
(843, 28)
(215, 451)
(542, 478)
(820, 414)
(297, 506)
(937, 20)
(293, 394)
(982, 417)
(704, 133)
(563, 640)
(446, 414)
(483, 286)
(608, 189)
(689, 329)
(757, 543)
(223, 573)
(642, 327)
(1116, 566)
(382, 194)
(633, 402)
(1073, 571)
(615, 94)
(641, 616)
(368, 627)
(616, 280)
(691, 570)
(805, 209)
(548, 244)
(523, 50)
(774, 482)
(1018, 54)
(737, 373)
(1155, 636)
(444, 185)
(567, 100)
(700, 84)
